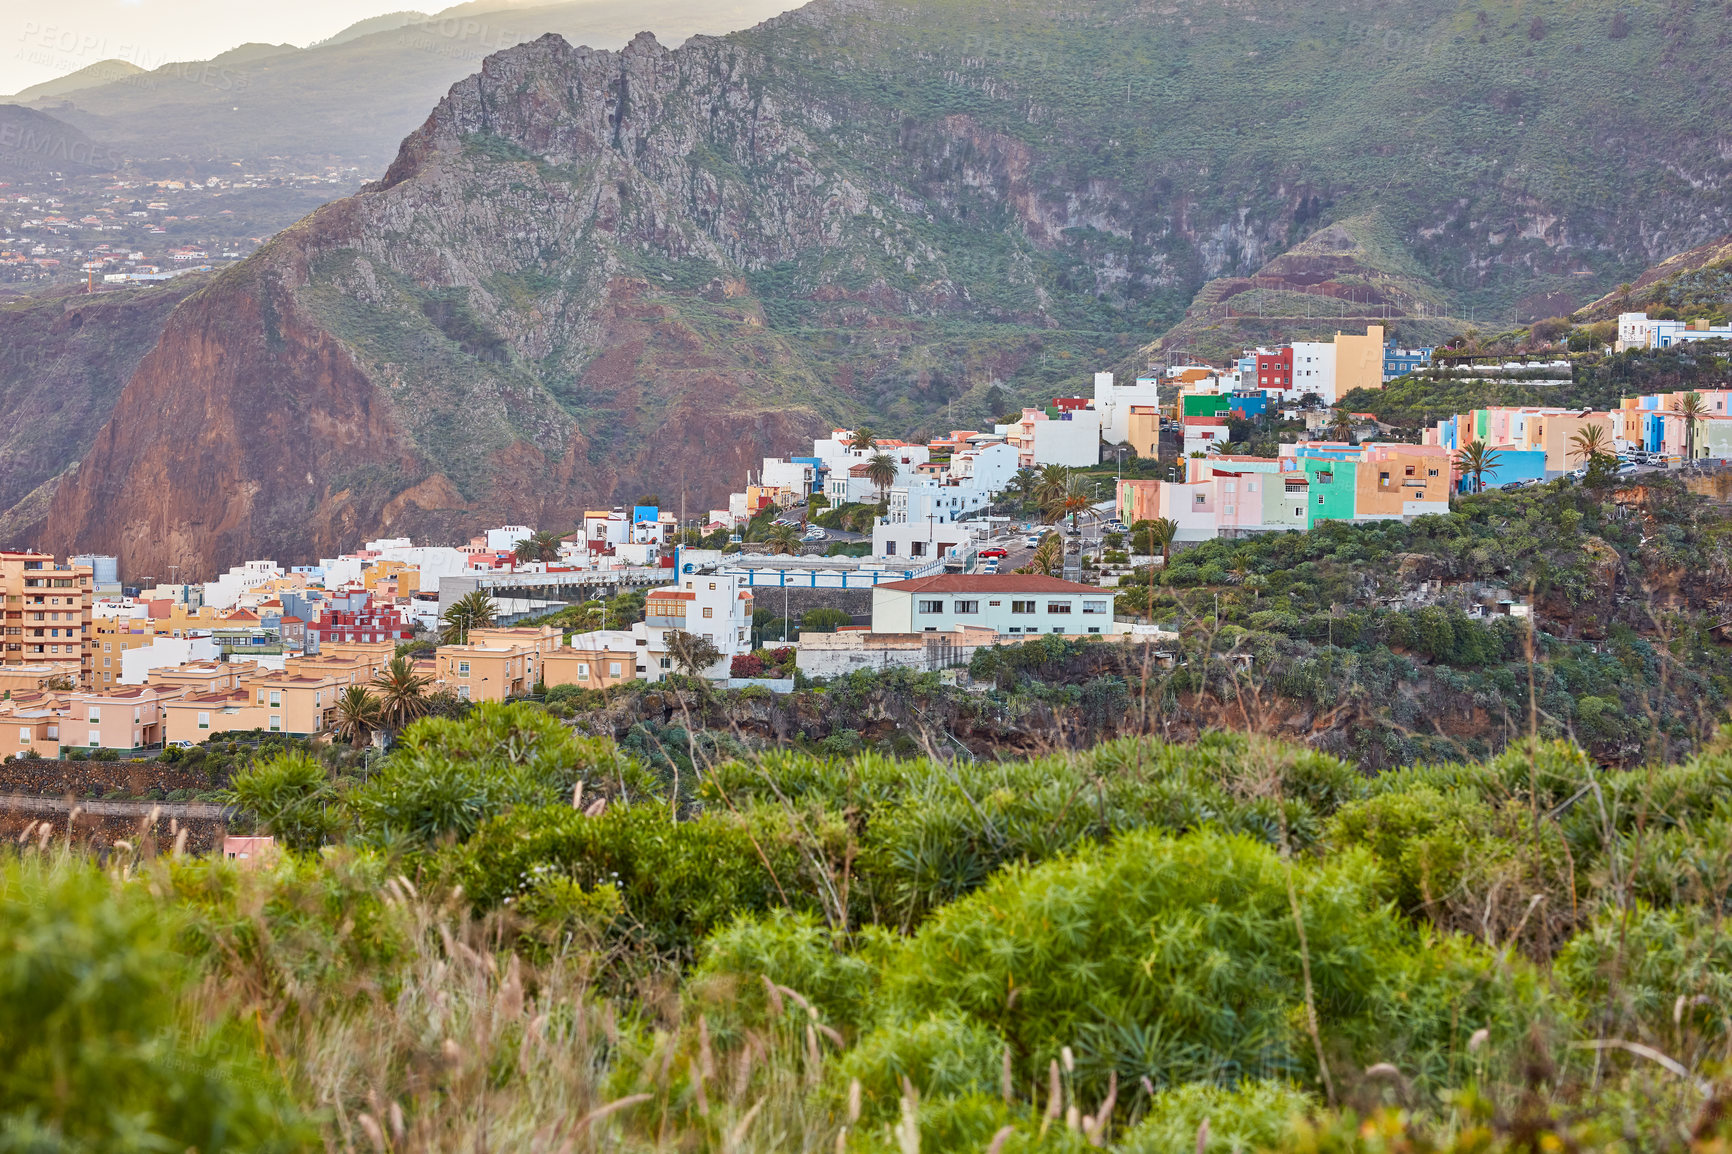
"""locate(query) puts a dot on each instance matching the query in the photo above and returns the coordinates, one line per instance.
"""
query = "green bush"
(102, 1054)
(789, 949)
(290, 797)
(1250, 1116)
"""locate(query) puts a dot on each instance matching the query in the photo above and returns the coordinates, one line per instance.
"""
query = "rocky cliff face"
(594, 276)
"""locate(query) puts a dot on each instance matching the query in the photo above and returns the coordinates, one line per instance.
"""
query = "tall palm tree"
(782, 539)
(402, 693)
(881, 471)
(1161, 532)
(1477, 459)
(1692, 408)
(542, 545)
(1051, 482)
(1076, 497)
(862, 440)
(358, 715)
(1024, 483)
(474, 610)
(1590, 443)
(1343, 425)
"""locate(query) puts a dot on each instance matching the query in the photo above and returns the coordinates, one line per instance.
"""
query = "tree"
(1023, 484)
(881, 471)
(358, 715)
(1692, 408)
(402, 692)
(472, 611)
(822, 620)
(1342, 425)
(862, 440)
(692, 652)
(1161, 531)
(1050, 484)
(542, 545)
(782, 539)
(1077, 496)
(1049, 555)
(1590, 443)
(1476, 460)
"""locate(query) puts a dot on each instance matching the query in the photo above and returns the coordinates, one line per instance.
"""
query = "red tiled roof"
(991, 583)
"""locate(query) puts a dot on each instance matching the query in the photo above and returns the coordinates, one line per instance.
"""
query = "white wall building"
(1113, 402)
(1638, 331)
(225, 592)
(1010, 603)
(1313, 370)
(165, 653)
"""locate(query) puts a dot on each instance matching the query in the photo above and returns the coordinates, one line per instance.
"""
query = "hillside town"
(920, 554)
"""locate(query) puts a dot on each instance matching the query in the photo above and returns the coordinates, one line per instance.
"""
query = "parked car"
(989, 567)
(995, 552)
(1032, 542)
(1627, 470)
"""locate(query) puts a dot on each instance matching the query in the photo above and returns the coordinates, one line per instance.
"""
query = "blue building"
(1512, 465)
(1401, 362)
(1248, 405)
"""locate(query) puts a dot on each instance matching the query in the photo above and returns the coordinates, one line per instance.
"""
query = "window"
(276, 723)
(968, 607)
(108, 647)
(1058, 629)
(890, 548)
(204, 721)
(583, 670)
(932, 607)
(1383, 478)
(105, 662)
(1095, 606)
(709, 612)
(667, 663)
(1298, 511)
(463, 693)
(95, 714)
(276, 697)
(1058, 607)
(1022, 607)
(1325, 478)
(613, 669)
(95, 738)
(463, 669)
(995, 604)
(24, 734)
(1319, 498)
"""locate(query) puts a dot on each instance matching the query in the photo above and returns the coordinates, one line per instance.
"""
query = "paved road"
(26, 803)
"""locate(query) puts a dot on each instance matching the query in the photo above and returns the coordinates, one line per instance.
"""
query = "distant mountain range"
(352, 97)
(594, 275)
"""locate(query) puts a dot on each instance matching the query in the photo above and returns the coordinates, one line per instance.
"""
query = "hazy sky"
(42, 39)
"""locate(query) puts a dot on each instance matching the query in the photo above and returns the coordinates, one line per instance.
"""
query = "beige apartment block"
(486, 672)
(46, 615)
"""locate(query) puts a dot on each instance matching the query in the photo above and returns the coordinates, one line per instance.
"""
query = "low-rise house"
(477, 672)
(128, 720)
(601, 658)
(1009, 603)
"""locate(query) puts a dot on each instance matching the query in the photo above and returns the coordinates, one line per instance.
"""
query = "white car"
(1032, 542)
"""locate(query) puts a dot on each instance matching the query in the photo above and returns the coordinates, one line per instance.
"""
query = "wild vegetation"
(516, 935)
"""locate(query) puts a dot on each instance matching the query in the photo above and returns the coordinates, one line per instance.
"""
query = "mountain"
(389, 22)
(35, 145)
(354, 97)
(64, 358)
(591, 275)
(1693, 281)
(93, 76)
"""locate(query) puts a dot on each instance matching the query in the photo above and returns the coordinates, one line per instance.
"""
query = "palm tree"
(1476, 460)
(881, 471)
(1024, 483)
(542, 545)
(1050, 484)
(1590, 444)
(1076, 497)
(402, 692)
(358, 715)
(1161, 532)
(1048, 556)
(862, 440)
(782, 539)
(1343, 425)
(1692, 408)
(471, 611)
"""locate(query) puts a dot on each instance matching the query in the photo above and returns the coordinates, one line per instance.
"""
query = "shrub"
(290, 797)
(102, 1054)
(792, 950)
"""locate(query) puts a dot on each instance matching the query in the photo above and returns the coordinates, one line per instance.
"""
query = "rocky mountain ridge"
(592, 276)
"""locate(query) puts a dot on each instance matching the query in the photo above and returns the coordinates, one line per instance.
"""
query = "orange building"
(46, 609)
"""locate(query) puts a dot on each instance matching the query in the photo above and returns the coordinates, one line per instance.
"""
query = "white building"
(1113, 402)
(1313, 370)
(713, 605)
(1072, 439)
(165, 653)
(1010, 603)
(226, 591)
(1638, 331)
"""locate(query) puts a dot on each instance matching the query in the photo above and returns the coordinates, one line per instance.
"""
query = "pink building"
(123, 719)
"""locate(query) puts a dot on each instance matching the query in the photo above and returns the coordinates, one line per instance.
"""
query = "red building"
(1274, 370)
(371, 623)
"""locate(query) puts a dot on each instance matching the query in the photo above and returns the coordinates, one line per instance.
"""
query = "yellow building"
(477, 672)
(1145, 431)
(31, 722)
(595, 660)
(1359, 360)
(1554, 432)
(46, 609)
(388, 581)
(543, 639)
